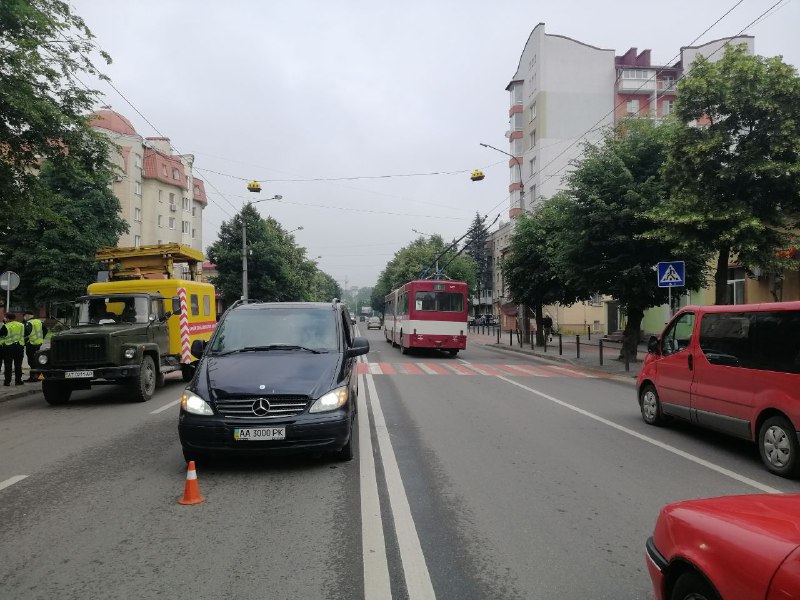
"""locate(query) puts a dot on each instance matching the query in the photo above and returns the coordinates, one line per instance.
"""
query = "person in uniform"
(13, 348)
(35, 332)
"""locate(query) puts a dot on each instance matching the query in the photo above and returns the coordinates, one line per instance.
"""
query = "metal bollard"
(589, 331)
(627, 360)
(560, 345)
(545, 343)
(578, 345)
(510, 338)
(498, 334)
(601, 352)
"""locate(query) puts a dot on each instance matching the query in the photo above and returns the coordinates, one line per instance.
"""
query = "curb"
(628, 379)
(19, 393)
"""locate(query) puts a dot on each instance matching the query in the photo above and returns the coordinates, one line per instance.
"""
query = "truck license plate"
(257, 434)
(78, 374)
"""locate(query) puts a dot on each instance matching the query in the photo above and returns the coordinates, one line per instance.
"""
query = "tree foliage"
(45, 47)
(532, 267)
(77, 213)
(595, 236)
(475, 248)
(409, 263)
(736, 176)
(278, 270)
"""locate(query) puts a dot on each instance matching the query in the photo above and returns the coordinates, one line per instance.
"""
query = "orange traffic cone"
(191, 493)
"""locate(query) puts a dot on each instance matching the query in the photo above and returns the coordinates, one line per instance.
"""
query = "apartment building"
(564, 93)
(161, 198)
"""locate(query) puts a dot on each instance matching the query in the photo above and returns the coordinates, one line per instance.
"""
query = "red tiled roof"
(200, 191)
(106, 118)
(155, 163)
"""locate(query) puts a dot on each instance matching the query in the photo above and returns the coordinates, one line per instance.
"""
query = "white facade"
(561, 89)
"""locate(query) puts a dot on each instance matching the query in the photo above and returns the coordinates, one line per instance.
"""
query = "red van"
(734, 369)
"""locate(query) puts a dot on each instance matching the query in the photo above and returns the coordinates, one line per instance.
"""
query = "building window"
(666, 107)
(516, 122)
(194, 233)
(532, 165)
(161, 195)
(172, 222)
(137, 188)
(186, 204)
(172, 201)
(532, 112)
(736, 279)
(532, 192)
(516, 94)
(137, 161)
(137, 214)
(638, 74)
(164, 169)
(194, 211)
(533, 138)
(516, 147)
(185, 227)
(137, 241)
(632, 107)
(160, 224)
(159, 241)
(175, 173)
(196, 190)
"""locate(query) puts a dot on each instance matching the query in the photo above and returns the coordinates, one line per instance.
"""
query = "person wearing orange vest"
(13, 333)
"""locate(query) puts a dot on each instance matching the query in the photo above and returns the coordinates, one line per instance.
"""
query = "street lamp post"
(255, 187)
(522, 308)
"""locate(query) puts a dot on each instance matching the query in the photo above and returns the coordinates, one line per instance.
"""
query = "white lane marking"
(377, 583)
(426, 369)
(570, 371)
(11, 481)
(374, 368)
(165, 407)
(418, 579)
(709, 465)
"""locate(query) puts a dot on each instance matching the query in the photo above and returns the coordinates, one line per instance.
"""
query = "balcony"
(636, 86)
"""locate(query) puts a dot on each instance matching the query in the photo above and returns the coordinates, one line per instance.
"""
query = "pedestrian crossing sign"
(671, 274)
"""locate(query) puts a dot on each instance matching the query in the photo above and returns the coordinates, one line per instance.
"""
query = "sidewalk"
(17, 391)
(589, 352)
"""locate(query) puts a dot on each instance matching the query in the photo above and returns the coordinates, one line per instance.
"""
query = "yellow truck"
(132, 328)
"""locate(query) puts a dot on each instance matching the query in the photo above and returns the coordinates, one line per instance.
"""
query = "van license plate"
(78, 374)
(257, 434)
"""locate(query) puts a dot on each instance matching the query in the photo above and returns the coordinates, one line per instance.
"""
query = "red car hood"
(773, 517)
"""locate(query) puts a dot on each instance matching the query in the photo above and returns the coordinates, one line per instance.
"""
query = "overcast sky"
(290, 90)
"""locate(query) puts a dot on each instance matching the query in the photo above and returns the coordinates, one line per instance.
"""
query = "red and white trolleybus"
(427, 314)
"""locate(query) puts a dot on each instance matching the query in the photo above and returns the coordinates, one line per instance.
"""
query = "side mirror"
(176, 305)
(652, 345)
(360, 346)
(198, 347)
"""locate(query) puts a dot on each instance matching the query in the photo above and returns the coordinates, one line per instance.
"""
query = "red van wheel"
(777, 443)
(651, 405)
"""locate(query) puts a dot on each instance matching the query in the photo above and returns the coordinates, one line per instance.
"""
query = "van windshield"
(308, 328)
(107, 310)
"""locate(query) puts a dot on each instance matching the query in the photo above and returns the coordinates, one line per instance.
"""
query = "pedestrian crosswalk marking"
(670, 276)
(464, 368)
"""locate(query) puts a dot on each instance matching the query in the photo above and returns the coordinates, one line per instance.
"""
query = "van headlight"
(330, 401)
(42, 359)
(194, 404)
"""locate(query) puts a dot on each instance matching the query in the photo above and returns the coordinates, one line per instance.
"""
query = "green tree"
(418, 260)
(736, 175)
(531, 267)
(605, 246)
(475, 248)
(77, 213)
(45, 49)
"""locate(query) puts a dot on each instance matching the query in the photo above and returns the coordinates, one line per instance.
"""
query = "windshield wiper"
(268, 348)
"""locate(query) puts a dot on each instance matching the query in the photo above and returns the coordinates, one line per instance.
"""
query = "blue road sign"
(672, 274)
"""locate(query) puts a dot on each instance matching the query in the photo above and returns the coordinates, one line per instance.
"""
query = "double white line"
(377, 583)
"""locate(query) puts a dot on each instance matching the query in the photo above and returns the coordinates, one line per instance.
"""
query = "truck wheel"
(144, 385)
(56, 393)
(187, 372)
